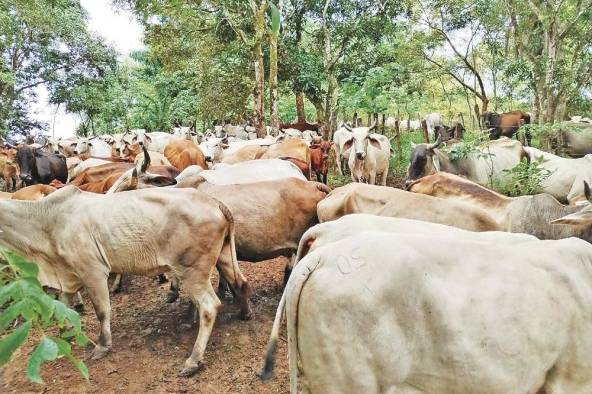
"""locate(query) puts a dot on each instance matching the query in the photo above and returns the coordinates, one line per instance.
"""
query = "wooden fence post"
(398, 141)
(424, 128)
(458, 131)
(383, 122)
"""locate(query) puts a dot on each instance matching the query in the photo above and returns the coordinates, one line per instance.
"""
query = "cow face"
(213, 149)
(82, 146)
(359, 141)
(25, 157)
(141, 137)
(423, 161)
(490, 119)
(53, 146)
(325, 147)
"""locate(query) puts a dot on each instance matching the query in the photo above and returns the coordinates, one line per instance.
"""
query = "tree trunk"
(300, 107)
(273, 82)
(330, 103)
(258, 114)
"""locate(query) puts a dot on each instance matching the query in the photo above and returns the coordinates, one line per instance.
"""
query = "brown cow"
(33, 193)
(184, 153)
(294, 150)
(9, 169)
(319, 159)
(135, 152)
(505, 124)
(302, 126)
(99, 173)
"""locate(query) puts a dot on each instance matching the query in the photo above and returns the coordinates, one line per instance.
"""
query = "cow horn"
(133, 182)
(435, 144)
(347, 127)
(146, 162)
(372, 126)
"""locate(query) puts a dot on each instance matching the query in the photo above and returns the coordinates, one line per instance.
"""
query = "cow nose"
(208, 158)
(360, 155)
(26, 178)
(75, 152)
(408, 183)
(56, 151)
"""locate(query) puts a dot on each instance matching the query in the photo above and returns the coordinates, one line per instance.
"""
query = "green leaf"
(59, 311)
(29, 270)
(47, 350)
(12, 341)
(45, 306)
(28, 310)
(275, 19)
(7, 292)
(74, 318)
(80, 366)
(10, 314)
(64, 347)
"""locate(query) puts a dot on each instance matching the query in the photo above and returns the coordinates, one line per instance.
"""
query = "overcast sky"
(120, 30)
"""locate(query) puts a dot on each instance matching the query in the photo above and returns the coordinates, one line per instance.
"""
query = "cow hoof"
(190, 371)
(99, 352)
(246, 315)
(171, 297)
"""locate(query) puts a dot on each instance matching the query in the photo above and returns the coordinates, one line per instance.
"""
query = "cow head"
(53, 145)
(490, 119)
(213, 149)
(83, 145)
(140, 136)
(423, 161)
(360, 139)
(324, 146)
(26, 159)
(582, 217)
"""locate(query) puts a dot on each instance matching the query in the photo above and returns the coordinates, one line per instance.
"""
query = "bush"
(26, 309)
(525, 179)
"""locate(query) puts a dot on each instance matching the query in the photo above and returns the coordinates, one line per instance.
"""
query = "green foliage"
(44, 42)
(525, 179)
(25, 308)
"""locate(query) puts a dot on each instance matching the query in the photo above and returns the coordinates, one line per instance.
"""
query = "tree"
(44, 43)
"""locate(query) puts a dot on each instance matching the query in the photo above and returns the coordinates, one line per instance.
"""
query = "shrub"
(26, 309)
(525, 179)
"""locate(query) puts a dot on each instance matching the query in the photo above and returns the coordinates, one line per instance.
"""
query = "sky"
(120, 30)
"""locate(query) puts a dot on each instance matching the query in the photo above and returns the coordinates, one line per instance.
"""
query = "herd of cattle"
(446, 286)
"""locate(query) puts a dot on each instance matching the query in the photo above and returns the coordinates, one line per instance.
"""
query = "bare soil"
(152, 339)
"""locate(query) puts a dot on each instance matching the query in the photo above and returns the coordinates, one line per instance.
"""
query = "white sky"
(120, 30)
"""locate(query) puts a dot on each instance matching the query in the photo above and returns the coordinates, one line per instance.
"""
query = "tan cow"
(387, 201)
(395, 313)
(135, 153)
(249, 152)
(294, 150)
(538, 215)
(33, 192)
(123, 233)
(184, 153)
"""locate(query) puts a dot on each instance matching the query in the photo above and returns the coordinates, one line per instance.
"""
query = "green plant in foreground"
(25, 309)
(525, 179)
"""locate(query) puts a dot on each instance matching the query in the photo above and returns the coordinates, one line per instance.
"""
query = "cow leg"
(200, 288)
(98, 292)
(338, 164)
(372, 177)
(173, 293)
(528, 137)
(70, 302)
(383, 177)
(238, 283)
(325, 178)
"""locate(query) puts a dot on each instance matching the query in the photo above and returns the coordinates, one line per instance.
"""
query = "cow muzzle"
(360, 155)
(209, 159)
(27, 178)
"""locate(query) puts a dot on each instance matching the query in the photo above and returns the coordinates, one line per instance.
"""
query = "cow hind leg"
(231, 272)
(98, 292)
(202, 293)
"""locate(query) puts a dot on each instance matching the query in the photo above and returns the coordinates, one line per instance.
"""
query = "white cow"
(213, 149)
(470, 317)
(94, 146)
(433, 120)
(341, 154)
(156, 141)
(369, 155)
(567, 176)
(244, 172)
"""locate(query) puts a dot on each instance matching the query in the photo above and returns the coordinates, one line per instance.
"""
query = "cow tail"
(228, 215)
(269, 362)
(294, 287)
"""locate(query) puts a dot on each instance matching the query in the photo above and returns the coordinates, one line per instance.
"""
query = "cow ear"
(148, 138)
(580, 218)
(374, 142)
(73, 145)
(348, 143)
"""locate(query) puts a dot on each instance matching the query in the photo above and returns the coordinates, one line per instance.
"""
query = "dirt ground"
(152, 339)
